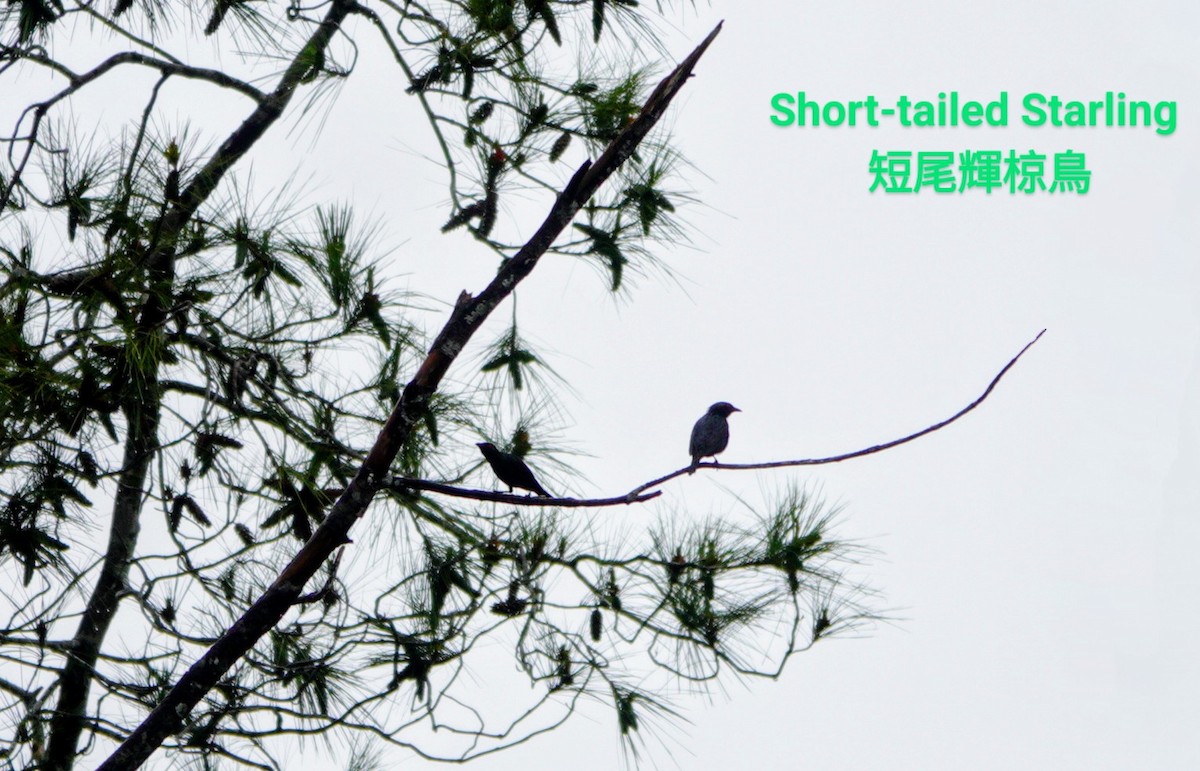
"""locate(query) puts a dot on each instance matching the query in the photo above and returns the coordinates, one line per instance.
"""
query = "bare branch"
(77, 81)
(848, 455)
(16, 690)
(639, 495)
(405, 484)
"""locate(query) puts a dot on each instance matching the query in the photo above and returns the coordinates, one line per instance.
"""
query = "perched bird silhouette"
(510, 469)
(710, 435)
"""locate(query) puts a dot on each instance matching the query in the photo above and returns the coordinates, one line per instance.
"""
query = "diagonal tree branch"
(467, 316)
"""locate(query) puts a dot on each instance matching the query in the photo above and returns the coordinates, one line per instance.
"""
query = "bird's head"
(724, 409)
(487, 448)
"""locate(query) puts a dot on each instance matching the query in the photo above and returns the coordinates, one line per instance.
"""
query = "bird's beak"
(735, 409)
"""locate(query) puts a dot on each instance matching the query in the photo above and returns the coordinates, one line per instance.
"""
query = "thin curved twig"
(848, 455)
(639, 494)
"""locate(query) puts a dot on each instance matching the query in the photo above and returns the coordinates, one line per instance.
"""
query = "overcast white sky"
(1041, 553)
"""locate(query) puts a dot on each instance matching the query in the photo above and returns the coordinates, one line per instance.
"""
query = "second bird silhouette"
(510, 469)
(710, 435)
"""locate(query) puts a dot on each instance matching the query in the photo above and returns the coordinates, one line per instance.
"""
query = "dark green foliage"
(298, 665)
(208, 444)
(447, 569)
(34, 17)
(243, 11)
(491, 17)
(513, 604)
(649, 204)
(510, 355)
(563, 669)
(183, 502)
(794, 536)
(256, 256)
(542, 9)
(605, 244)
(607, 112)
(25, 538)
(303, 502)
(220, 8)
(626, 715)
(182, 345)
